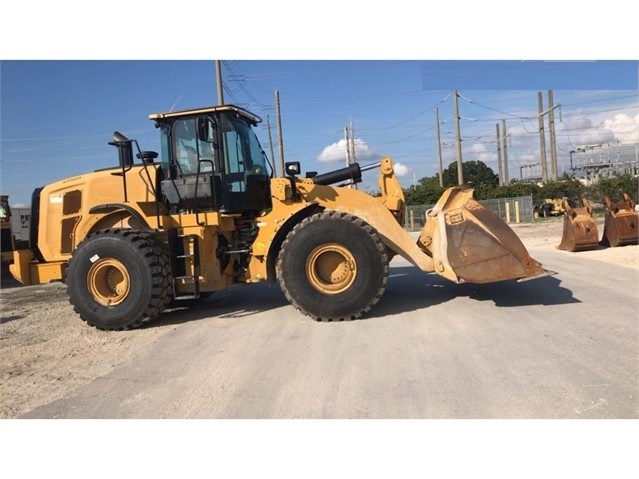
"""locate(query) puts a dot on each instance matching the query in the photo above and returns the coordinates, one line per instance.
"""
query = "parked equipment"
(130, 239)
(620, 222)
(580, 230)
(7, 240)
(550, 207)
(20, 223)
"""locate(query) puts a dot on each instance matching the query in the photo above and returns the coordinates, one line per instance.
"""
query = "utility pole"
(280, 143)
(499, 165)
(352, 136)
(439, 150)
(505, 148)
(270, 143)
(347, 143)
(553, 143)
(460, 173)
(218, 74)
(542, 139)
(349, 139)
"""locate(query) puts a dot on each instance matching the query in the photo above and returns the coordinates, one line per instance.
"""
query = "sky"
(57, 116)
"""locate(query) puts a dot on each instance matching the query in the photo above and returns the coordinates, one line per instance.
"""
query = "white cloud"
(583, 132)
(624, 128)
(400, 170)
(479, 152)
(337, 152)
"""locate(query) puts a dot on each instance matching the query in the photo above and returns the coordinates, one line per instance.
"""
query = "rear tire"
(333, 267)
(119, 279)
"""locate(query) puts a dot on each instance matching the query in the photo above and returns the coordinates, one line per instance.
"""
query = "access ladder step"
(186, 297)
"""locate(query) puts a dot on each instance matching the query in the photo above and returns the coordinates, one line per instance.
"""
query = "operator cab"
(212, 161)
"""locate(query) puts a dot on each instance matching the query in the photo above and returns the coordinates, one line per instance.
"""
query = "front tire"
(119, 279)
(333, 266)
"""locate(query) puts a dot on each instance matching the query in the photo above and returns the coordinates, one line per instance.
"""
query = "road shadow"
(408, 289)
(237, 302)
(7, 281)
(8, 319)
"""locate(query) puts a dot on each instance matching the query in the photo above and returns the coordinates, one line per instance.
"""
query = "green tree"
(515, 189)
(426, 193)
(614, 188)
(485, 183)
(475, 172)
(572, 189)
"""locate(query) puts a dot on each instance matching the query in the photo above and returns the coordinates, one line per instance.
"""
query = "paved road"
(563, 346)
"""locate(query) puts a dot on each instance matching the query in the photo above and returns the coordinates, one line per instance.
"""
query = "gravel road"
(46, 351)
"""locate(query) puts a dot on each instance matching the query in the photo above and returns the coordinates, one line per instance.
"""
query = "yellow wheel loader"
(550, 207)
(208, 215)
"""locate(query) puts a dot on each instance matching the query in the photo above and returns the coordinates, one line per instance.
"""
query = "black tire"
(119, 279)
(333, 267)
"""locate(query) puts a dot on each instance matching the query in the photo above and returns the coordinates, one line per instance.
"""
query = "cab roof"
(209, 109)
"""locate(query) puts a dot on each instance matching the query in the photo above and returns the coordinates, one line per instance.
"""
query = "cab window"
(190, 153)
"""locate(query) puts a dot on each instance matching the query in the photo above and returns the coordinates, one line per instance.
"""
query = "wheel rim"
(331, 268)
(108, 282)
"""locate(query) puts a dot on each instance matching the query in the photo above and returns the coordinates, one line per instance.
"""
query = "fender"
(280, 236)
(114, 207)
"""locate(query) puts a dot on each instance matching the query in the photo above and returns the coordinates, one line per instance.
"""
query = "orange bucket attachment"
(620, 225)
(470, 243)
(580, 230)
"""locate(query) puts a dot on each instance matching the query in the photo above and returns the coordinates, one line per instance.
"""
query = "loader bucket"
(620, 224)
(469, 240)
(580, 231)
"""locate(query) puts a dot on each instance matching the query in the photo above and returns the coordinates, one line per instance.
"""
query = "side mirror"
(292, 168)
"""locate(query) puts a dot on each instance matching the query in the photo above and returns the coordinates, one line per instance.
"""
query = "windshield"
(242, 150)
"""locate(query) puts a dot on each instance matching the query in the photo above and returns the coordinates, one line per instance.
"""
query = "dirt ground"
(547, 234)
(47, 351)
